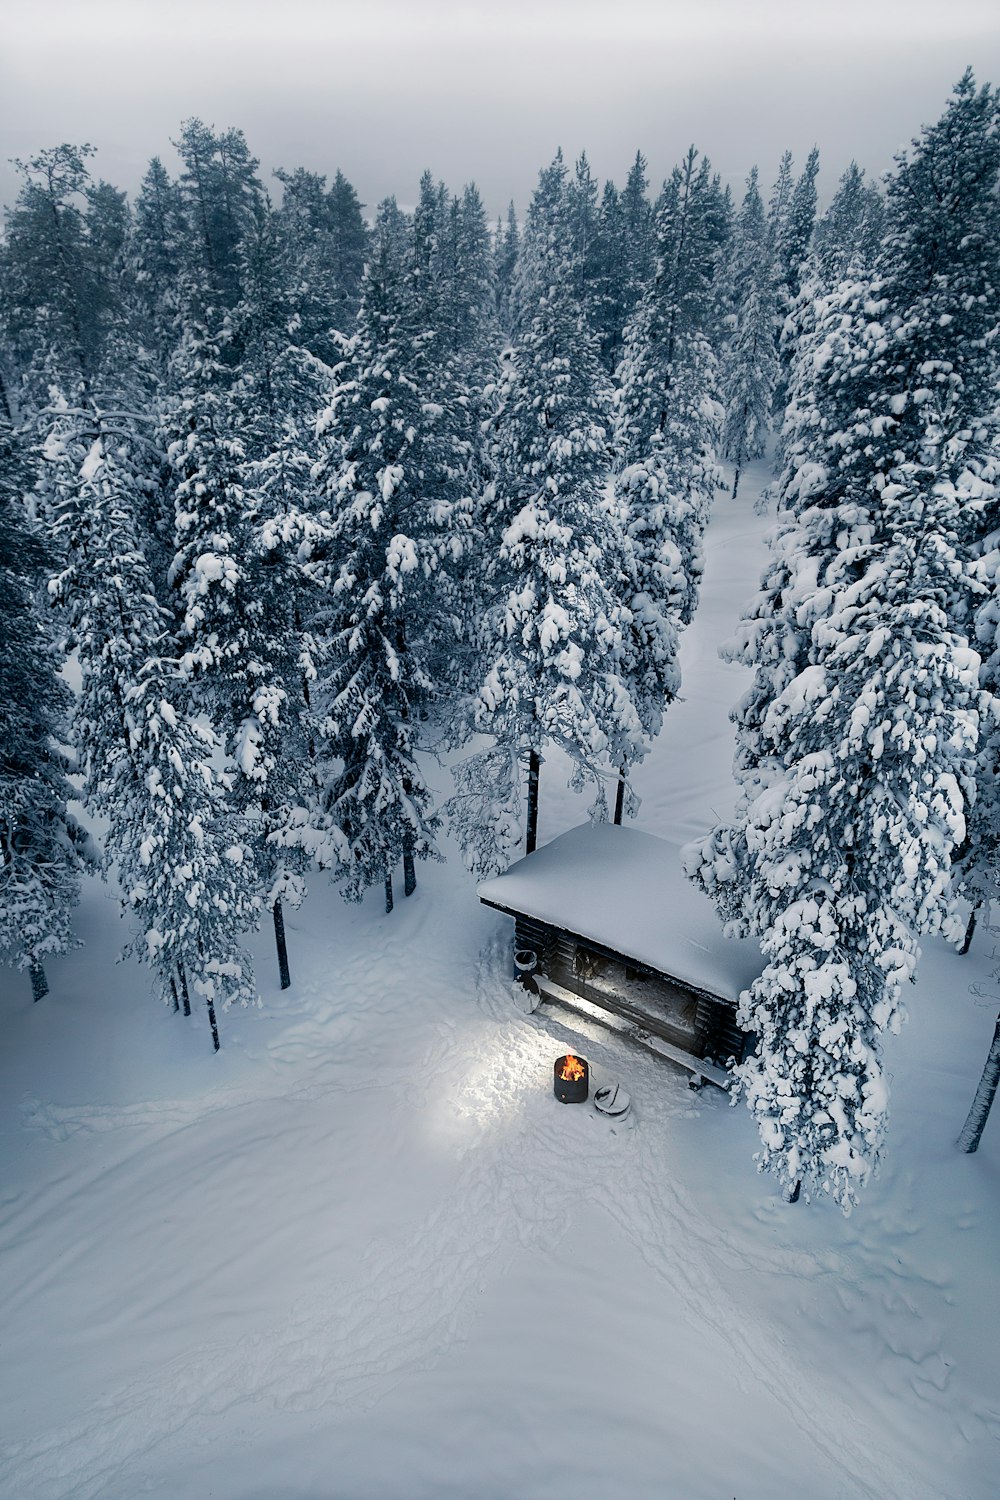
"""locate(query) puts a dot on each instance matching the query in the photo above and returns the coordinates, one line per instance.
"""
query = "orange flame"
(571, 1070)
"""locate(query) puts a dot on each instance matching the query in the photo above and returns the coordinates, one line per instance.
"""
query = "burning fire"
(571, 1070)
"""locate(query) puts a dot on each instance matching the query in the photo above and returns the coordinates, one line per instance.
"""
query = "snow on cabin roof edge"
(626, 890)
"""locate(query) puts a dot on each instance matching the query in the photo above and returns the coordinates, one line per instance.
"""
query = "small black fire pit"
(570, 1079)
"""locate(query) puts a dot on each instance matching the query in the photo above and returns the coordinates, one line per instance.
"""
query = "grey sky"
(383, 88)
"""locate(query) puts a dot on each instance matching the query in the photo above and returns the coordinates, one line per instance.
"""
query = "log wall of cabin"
(691, 1020)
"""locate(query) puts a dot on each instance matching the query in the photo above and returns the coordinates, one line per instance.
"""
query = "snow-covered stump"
(972, 1130)
(39, 982)
(282, 947)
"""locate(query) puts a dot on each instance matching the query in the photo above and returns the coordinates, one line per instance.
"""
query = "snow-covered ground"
(363, 1254)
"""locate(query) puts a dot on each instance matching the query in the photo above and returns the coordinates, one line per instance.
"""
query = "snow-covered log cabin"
(616, 930)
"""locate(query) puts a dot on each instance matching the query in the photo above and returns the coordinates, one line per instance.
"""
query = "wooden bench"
(639, 1027)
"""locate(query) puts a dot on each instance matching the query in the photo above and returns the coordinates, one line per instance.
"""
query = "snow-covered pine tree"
(586, 250)
(398, 517)
(506, 244)
(615, 282)
(849, 235)
(791, 252)
(797, 229)
(58, 289)
(846, 242)
(172, 843)
(325, 238)
(268, 722)
(856, 745)
(200, 428)
(221, 193)
(451, 288)
(556, 569)
(667, 423)
(750, 366)
(239, 646)
(43, 850)
(779, 207)
(640, 232)
(349, 243)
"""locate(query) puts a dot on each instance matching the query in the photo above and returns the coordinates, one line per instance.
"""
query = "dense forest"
(293, 494)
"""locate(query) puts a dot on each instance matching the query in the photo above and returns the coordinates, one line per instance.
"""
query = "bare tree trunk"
(39, 983)
(736, 481)
(173, 991)
(972, 1130)
(409, 873)
(184, 989)
(620, 796)
(282, 946)
(531, 833)
(388, 894)
(210, 1003)
(970, 930)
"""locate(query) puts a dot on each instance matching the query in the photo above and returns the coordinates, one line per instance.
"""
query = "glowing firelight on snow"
(571, 1070)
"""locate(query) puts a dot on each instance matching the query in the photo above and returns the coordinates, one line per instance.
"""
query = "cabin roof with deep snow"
(626, 890)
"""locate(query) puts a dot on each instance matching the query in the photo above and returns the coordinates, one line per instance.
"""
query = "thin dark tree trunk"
(388, 894)
(972, 1130)
(620, 796)
(282, 946)
(736, 481)
(970, 930)
(185, 997)
(173, 991)
(39, 983)
(409, 873)
(531, 832)
(210, 1003)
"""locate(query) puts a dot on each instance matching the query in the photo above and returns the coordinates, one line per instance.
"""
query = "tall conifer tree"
(857, 741)
(556, 571)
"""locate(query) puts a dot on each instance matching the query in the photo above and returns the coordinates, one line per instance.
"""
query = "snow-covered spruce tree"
(846, 243)
(791, 249)
(556, 573)
(397, 519)
(43, 850)
(268, 721)
(237, 637)
(59, 273)
(506, 244)
(796, 232)
(750, 366)
(626, 243)
(325, 239)
(849, 235)
(856, 744)
(172, 844)
(158, 249)
(666, 434)
(221, 194)
(451, 302)
(779, 208)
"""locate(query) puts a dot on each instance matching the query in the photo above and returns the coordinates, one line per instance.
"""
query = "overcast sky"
(384, 88)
